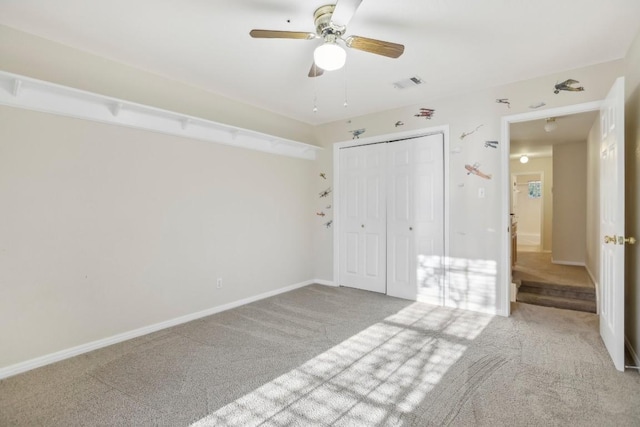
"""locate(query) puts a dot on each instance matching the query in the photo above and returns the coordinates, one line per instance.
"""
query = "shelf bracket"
(17, 86)
(116, 108)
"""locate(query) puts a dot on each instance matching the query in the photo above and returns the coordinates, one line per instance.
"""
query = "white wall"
(475, 223)
(569, 203)
(106, 229)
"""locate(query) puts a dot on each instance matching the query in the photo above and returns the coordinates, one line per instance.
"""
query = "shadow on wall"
(472, 283)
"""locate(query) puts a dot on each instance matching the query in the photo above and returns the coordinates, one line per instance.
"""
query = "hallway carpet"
(337, 356)
(541, 282)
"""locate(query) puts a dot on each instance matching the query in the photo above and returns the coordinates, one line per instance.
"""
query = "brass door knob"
(630, 240)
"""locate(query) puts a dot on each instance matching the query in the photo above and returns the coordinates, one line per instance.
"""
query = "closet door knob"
(362, 226)
(410, 228)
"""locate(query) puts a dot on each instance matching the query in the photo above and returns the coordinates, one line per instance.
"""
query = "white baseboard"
(579, 264)
(38, 362)
(632, 352)
(325, 282)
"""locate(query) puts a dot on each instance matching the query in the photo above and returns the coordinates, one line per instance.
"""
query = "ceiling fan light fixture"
(329, 56)
(524, 158)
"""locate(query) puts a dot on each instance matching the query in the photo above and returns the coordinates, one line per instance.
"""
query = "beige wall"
(632, 185)
(545, 166)
(106, 229)
(569, 203)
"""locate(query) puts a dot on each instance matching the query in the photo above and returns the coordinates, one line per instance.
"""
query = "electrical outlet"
(481, 193)
(219, 283)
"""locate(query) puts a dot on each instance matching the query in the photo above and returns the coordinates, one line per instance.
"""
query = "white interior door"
(612, 223)
(363, 217)
(415, 219)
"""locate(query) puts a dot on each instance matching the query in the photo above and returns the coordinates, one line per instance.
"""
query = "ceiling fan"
(331, 25)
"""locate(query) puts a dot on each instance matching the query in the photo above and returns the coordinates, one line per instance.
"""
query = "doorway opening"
(534, 232)
(550, 266)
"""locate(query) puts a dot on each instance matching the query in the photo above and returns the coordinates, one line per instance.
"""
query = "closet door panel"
(363, 218)
(416, 217)
(402, 266)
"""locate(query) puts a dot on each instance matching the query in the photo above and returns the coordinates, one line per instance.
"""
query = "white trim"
(28, 365)
(560, 262)
(444, 130)
(632, 352)
(37, 95)
(504, 285)
(325, 283)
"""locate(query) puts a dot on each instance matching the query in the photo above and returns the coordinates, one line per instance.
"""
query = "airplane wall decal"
(475, 171)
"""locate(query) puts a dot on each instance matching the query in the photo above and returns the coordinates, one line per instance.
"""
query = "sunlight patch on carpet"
(373, 377)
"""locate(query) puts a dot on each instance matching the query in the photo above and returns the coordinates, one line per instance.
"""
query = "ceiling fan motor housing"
(322, 21)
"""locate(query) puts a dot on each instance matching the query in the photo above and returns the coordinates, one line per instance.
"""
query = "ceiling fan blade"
(344, 11)
(272, 34)
(379, 47)
(315, 71)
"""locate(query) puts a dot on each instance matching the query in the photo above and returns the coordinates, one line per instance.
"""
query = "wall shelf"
(37, 95)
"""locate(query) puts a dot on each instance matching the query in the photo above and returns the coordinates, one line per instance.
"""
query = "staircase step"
(559, 287)
(574, 292)
(557, 302)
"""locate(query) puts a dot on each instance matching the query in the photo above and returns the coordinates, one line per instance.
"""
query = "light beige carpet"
(338, 356)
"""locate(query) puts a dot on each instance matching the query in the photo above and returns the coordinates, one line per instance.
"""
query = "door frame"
(444, 130)
(505, 274)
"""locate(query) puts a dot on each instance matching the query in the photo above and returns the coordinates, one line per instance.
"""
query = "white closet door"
(363, 217)
(415, 219)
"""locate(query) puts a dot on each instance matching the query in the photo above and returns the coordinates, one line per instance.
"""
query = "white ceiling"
(455, 46)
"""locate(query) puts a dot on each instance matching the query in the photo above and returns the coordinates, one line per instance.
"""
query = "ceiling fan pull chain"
(315, 96)
(345, 86)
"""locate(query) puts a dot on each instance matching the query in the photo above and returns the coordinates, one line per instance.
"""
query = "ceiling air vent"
(407, 83)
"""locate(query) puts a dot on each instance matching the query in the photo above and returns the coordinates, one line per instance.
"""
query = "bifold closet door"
(362, 217)
(415, 219)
